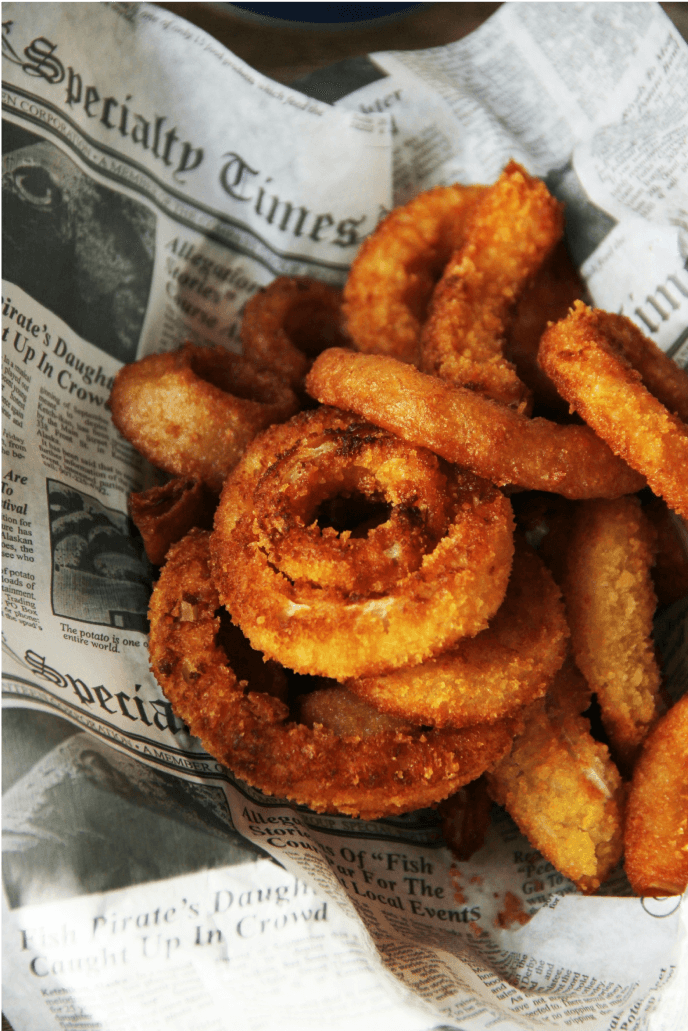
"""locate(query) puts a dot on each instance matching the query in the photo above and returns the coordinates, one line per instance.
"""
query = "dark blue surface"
(326, 13)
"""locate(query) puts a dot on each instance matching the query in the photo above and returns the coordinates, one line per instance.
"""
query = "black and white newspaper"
(152, 183)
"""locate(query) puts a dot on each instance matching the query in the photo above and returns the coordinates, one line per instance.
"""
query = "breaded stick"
(562, 789)
(610, 603)
(656, 837)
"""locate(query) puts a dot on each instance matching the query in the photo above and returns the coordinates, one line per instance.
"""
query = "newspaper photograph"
(153, 183)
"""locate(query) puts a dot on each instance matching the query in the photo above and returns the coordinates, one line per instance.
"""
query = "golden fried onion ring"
(493, 440)
(656, 835)
(492, 675)
(590, 355)
(290, 322)
(316, 628)
(511, 232)
(192, 411)
(394, 273)
(381, 774)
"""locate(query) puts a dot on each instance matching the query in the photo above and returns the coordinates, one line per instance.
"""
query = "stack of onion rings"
(314, 627)
(345, 552)
(370, 775)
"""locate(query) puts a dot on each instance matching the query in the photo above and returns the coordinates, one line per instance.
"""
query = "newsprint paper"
(152, 183)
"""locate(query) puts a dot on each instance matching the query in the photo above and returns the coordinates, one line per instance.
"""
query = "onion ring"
(321, 629)
(192, 411)
(163, 515)
(288, 323)
(562, 789)
(394, 273)
(656, 837)
(610, 603)
(494, 441)
(511, 232)
(484, 678)
(588, 355)
(382, 774)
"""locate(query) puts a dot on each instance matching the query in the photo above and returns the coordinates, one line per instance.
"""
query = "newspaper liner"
(130, 223)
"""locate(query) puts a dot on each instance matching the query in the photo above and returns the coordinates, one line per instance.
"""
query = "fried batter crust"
(192, 411)
(511, 232)
(589, 355)
(475, 432)
(562, 789)
(394, 273)
(610, 604)
(319, 629)
(163, 515)
(288, 323)
(489, 676)
(385, 773)
(656, 836)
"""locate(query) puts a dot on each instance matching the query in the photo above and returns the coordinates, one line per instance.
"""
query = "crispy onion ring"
(494, 441)
(192, 411)
(610, 603)
(379, 774)
(656, 836)
(394, 273)
(290, 322)
(490, 676)
(589, 355)
(511, 232)
(320, 628)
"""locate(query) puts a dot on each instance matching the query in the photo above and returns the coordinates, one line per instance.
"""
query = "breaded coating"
(512, 231)
(492, 675)
(163, 515)
(656, 837)
(587, 358)
(243, 723)
(344, 713)
(288, 323)
(562, 789)
(610, 603)
(315, 626)
(480, 434)
(394, 273)
(192, 411)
